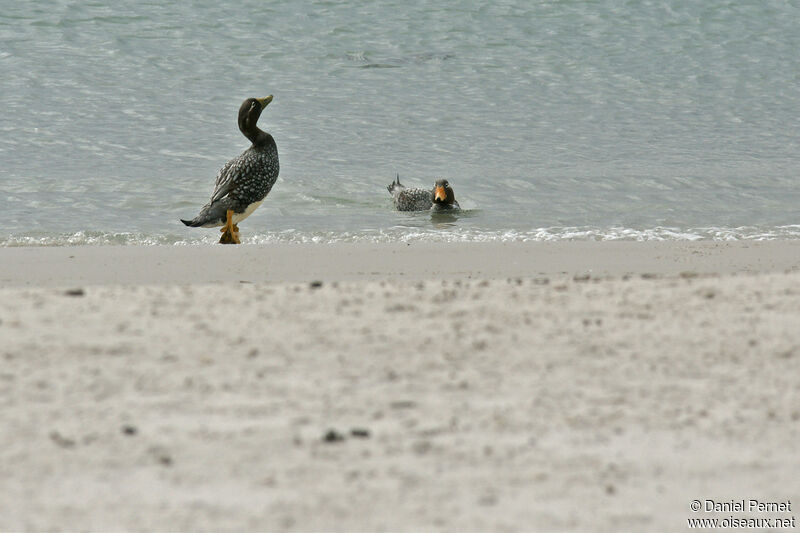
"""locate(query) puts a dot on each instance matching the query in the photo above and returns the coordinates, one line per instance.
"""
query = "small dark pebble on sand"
(64, 442)
(74, 292)
(161, 455)
(360, 433)
(333, 436)
(129, 430)
(315, 284)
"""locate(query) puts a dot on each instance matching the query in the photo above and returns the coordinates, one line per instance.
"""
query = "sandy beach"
(577, 386)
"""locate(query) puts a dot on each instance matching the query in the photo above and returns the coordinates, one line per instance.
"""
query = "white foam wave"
(409, 235)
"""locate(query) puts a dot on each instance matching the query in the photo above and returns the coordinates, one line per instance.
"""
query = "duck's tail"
(395, 185)
(210, 216)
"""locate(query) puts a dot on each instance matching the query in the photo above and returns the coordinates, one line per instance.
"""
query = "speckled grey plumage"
(410, 199)
(243, 181)
(414, 198)
(246, 180)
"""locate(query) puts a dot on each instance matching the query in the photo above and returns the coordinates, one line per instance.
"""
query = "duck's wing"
(226, 179)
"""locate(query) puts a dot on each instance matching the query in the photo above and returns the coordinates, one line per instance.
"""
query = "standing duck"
(244, 181)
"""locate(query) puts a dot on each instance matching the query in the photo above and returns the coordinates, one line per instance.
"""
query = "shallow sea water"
(552, 120)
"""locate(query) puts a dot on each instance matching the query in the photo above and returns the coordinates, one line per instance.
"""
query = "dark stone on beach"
(709, 294)
(161, 455)
(315, 284)
(129, 430)
(333, 436)
(74, 292)
(62, 441)
(421, 447)
(360, 433)
(488, 500)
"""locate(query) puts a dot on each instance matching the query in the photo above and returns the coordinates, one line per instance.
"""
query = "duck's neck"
(248, 125)
(257, 136)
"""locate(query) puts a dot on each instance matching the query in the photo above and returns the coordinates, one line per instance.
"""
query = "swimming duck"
(441, 197)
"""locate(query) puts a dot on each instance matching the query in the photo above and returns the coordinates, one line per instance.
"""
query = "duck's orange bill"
(439, 194)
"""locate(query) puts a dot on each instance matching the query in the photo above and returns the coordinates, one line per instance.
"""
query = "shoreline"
(134, 265)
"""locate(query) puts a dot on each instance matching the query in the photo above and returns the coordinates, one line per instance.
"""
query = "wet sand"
(147, 265)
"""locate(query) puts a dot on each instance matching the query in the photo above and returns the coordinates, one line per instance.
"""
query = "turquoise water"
(552, 120)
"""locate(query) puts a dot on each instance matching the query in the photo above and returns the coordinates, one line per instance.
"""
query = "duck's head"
(443, 195)
(250, 111)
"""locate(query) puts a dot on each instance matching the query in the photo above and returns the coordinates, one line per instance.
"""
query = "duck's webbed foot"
(230, 231)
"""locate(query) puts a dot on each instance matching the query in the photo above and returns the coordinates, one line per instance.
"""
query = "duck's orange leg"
(230, 232)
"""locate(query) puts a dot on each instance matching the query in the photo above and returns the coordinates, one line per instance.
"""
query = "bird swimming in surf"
(244, 181)
(441, 197)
